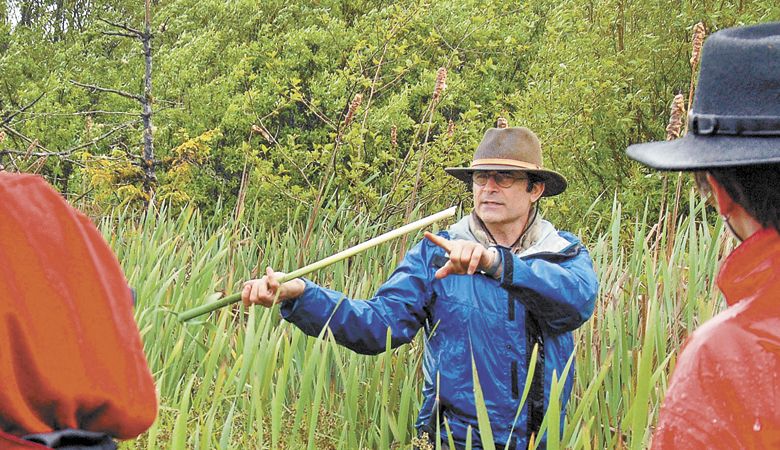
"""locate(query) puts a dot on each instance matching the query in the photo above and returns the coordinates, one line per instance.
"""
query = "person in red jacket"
(72, 368)
(725, 390)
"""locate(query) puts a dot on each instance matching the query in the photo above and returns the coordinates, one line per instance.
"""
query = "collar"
(540, 237)
(752, 267)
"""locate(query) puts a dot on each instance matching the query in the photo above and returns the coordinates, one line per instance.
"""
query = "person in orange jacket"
(725, 390)
(72, 369)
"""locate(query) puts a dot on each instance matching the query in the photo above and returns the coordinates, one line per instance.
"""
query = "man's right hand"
(465, 257)
(267, 291)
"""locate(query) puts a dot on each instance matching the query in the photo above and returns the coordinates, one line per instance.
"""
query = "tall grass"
(246, 379)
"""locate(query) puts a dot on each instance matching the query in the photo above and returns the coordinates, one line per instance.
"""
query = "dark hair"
(532, 180)
(755, 188)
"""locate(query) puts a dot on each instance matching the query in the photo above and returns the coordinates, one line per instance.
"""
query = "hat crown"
(517, 143)
(740, 73)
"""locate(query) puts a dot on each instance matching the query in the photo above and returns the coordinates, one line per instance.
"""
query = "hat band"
(706, 124)
(504, 162)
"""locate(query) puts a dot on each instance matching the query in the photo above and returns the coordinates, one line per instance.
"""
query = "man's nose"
(491, 184)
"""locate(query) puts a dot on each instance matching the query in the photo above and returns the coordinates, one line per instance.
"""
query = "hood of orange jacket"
(71, 353)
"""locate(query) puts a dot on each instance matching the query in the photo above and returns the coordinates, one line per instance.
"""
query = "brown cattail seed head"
(394, 136)
(257, 129)
(698, 38)
(501, 122)
(675, 119)
(353, 107)
(441, 84)
(450, 128)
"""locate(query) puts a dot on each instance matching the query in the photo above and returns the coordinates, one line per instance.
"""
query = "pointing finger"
(438, 240)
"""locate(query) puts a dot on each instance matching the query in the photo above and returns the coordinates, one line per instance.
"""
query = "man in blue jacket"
(497, 283)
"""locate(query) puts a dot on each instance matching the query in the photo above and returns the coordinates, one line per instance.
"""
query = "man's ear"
(537, 191)
(725, 203)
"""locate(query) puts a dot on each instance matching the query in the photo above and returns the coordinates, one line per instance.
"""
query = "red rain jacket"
(70, 351)
(725, 391)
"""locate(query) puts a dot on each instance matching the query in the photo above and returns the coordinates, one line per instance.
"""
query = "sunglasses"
(503, 179)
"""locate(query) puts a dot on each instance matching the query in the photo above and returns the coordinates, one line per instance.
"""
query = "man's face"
(501, 199)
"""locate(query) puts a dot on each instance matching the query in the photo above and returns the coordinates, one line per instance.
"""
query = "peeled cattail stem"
(398, 232)
(675, 118)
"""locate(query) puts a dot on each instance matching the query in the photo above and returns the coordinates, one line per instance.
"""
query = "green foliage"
(276, 79)
(241, 378)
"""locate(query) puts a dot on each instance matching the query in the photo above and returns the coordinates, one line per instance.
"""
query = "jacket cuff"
(291, 307)
(496, 269)
(506, 274)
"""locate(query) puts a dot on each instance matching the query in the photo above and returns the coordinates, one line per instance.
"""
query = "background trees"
(260, 92)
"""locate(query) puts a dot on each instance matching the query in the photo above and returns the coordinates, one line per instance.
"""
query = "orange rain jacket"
(725, 391)
(70, 351)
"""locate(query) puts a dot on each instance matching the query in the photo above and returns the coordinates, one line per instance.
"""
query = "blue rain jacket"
(541, 297)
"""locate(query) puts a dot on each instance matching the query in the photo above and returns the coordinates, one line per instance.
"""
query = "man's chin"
(488, 216)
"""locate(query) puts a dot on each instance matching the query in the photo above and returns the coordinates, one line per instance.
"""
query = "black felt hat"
(511, 149)
(735, 119)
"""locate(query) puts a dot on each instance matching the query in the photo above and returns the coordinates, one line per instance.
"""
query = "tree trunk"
(150, 180)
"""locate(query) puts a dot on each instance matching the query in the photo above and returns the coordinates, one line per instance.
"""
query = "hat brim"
(695, 152)
(554, 183)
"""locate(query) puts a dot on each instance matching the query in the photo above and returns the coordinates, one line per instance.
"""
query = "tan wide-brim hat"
(511, 149)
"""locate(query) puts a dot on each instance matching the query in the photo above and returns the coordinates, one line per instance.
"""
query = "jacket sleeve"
(560, 291)
(361, 325)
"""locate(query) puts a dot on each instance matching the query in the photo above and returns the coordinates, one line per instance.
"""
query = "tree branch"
(117, 33)
(137, 33)
(8, 119)
(34, 143)
(94, 88)
(104, 135)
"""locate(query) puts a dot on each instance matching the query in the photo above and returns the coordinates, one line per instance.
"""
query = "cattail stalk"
(259, 129)
(441, 84)
(674, 127)
(353, 107)
(699, 33)
(344, 254)
(698, 39)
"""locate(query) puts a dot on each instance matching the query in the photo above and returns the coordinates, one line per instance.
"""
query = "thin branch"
(117, 33)
(319, 114)
(24, 138)
(94, 88)
(123, 27)
(27, 154)
(104, 135)
(81, 113)
(8, 119)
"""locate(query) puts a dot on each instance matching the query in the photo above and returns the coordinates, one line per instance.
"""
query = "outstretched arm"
(360, 325)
